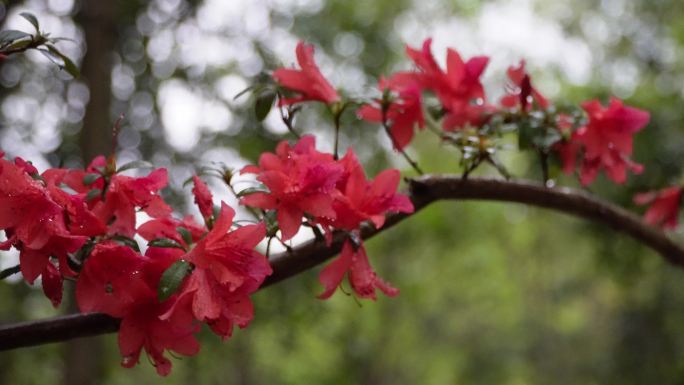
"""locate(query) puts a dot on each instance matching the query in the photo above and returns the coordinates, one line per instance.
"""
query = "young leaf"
(89, 179)
(135, 164)
(130, 242)
(92, 194)
(172, 279)
(185, 234)
(251, 190)
(165, 242)
(243, 92)
(31, 19)
(10, 35)
(67, 64)
(263, 105)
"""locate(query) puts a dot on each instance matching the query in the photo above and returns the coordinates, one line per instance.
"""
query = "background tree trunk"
(83, 364)
(98, 19)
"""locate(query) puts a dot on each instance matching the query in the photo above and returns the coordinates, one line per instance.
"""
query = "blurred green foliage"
(491, 293)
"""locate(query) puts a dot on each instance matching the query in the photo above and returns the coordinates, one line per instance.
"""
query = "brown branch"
(423, 191)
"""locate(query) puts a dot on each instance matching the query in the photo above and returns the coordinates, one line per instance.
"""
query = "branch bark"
(422, 191)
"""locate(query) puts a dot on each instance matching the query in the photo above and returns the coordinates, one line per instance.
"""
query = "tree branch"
(422, 191)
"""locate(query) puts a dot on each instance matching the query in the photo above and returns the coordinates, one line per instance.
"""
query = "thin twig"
(9, 271)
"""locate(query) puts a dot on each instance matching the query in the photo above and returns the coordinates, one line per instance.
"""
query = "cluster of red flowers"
(80, 224)
(601, 141)
(335, 194)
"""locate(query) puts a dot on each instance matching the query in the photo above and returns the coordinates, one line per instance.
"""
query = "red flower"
(568, 147)
(404, 113)
(300, 180)
(118, 281)
(221, 307)
(35, 225)
(203, 197)
(230, 256)
(227, 271)
(106, 281)
(308, 82)
(146, 325)
(520, 90)
(125, 194)
(364, 200)
(363, 279)
(168, 228)
(664, 206)
(459, 88)
(607, 139)
(142, 328)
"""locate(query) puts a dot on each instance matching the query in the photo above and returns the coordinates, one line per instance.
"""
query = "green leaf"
(19, 44)
(185, 234)
(173, 278)
(525, 136)
(67, 64)
(165, 242)
(31, 19)
(92, 194)
(10, 35)
(135, 164)
(89, 179)
(246, 90)
(252, 190)
(130, 242)
(263, 104)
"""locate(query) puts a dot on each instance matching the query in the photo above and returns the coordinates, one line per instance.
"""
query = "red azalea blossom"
(568, 147)
(459, 88)
(230, 256)
(227, 270)
(168, 228)
(520, 90)
(363, 279)
(664, 206)
(203, 197)
(145, 324)
(300, 180)
(142, 328)
(35, 224)
(607, 140)
(308, 82)
(365, 200)
(120, 282)
(404, 113)
(106, 281)
(125, 194)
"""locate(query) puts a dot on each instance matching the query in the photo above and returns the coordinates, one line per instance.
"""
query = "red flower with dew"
(105, 283)
(607, 140)
(120, 282)
(125, 194)
(308, 82)
(403, 113)
(227, 270)
(664, 206)
(35, 224)
(300, 181)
